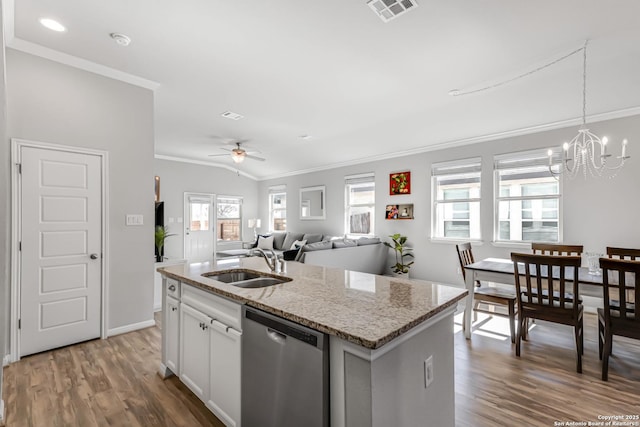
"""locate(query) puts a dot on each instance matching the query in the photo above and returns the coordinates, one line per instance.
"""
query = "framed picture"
(399, 211)
(399, 183)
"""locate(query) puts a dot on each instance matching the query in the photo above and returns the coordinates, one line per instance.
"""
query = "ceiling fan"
(238, 154)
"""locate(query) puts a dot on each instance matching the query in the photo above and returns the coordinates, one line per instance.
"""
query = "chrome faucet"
(275, 264)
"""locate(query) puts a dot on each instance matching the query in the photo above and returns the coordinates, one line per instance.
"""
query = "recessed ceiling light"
(121, 39)
(305, 137)
(52, 24)
(231, 115)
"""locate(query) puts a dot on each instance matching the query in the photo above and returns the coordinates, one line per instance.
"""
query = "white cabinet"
(194, 350)
(172, 331)
(170, 328)
(209, 349)
(224, 374)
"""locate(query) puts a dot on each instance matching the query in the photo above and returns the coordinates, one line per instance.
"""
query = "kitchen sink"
(233, 276)
(246, 278)
(261, 282)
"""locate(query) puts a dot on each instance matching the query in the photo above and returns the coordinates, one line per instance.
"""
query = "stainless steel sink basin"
(232, 276)
(246, 278)
(260, 282)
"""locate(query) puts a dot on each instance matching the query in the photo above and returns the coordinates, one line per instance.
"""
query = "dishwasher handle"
(285, 328)
(276, 336)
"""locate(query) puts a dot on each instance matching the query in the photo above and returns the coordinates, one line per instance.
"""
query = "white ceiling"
(363, 89)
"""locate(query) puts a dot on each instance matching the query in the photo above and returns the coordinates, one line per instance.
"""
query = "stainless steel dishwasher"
(285, 373)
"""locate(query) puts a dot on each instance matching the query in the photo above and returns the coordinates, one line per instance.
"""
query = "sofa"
(366, 254)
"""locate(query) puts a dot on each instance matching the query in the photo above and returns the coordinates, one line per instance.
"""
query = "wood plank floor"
(114, 383)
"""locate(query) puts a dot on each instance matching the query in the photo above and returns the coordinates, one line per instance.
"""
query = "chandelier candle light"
(586, 151)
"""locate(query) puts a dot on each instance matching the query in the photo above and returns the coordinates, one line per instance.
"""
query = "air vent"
(390, 9)
(231, 115)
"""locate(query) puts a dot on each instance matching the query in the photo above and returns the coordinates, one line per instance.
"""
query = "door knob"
(93, 256)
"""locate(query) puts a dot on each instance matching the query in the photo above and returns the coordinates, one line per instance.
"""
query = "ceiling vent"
(390, 9)
(231, 115)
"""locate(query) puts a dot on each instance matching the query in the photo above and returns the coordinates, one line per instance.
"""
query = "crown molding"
(611, 115)
(203, 163)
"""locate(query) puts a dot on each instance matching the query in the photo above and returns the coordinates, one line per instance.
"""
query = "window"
(456, 199)
(360, 204)
(229, 220)
(527, 198)
(278, 208)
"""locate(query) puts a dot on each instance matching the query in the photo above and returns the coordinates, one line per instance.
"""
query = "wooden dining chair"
(623, 253)
(620, 315)
(556, 249)
(489, 295)
(539, 299)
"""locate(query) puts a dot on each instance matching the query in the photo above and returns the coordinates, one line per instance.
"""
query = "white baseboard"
(2, 414)
(157, 308)
(6, 359)
(130, 328)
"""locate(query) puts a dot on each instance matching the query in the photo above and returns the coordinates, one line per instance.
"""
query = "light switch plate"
(134, 219)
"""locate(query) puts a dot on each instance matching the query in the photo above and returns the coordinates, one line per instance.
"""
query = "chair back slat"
(616, 277)
(623, 253)
(465, 256)
(556, 249)
(540, 292)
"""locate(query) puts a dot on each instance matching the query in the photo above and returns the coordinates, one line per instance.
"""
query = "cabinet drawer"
(225, 311)
(173, 288)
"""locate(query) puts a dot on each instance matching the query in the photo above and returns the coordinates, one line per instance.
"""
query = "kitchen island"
(391, 339)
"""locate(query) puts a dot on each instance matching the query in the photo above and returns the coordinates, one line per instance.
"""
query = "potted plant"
(161, 233)
(402, 252)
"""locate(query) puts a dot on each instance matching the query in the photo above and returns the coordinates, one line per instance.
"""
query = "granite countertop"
(362, 308)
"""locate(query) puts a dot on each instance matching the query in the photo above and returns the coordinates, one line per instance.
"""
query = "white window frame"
(470, 166)
(276, 190)
(365, 178)
(525, 159)
(239, 199)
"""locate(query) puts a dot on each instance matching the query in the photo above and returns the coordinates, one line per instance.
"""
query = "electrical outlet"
(428, 371)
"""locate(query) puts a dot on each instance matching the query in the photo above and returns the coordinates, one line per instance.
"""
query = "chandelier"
(586, 153)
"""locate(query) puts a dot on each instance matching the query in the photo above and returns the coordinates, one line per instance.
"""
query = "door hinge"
(19, 246)
(19, 323)
(19, 165)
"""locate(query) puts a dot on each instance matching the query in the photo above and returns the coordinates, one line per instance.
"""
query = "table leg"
(468, 307)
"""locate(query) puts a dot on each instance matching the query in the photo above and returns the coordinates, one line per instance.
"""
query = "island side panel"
(400, 397)
(386, 386)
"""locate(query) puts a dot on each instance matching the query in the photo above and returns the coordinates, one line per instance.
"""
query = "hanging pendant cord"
(528, 73)
(584, 83)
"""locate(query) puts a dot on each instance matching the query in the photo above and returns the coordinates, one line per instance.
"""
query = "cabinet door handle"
(172, 288)
(174, 308)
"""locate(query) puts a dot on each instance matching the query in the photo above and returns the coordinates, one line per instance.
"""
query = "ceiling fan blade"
(217, 155)
(249, 156)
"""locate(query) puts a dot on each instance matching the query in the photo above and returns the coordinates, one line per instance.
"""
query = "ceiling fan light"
(237, 157)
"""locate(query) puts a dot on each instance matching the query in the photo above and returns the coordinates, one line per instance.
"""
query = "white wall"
(596, 212)
(176, 178)
(5, 206)
(55, 103)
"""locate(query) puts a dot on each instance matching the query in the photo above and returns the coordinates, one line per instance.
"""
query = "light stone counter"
(360, 308)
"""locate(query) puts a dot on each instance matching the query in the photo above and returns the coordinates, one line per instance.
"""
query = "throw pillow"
(298, 244)
(265, 242)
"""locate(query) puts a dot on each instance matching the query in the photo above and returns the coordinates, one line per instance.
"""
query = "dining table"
(500, 270)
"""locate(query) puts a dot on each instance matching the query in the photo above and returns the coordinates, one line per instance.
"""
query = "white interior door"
(199, 227)
(60, 233)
